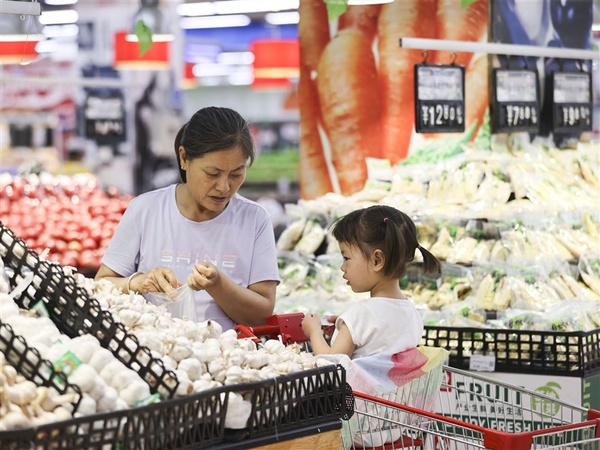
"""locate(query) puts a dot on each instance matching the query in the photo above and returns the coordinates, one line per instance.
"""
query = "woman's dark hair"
(213, 129)
(389, 230)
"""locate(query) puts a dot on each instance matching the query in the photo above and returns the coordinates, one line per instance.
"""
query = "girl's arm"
(343, 344)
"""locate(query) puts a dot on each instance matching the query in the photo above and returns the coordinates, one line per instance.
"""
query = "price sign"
(571, 101)
(105, 118)
(515, 104)
(439, 98)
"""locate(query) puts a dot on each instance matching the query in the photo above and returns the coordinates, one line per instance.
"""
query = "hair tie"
(385, 219)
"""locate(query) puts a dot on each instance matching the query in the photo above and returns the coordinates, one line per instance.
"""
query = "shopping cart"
(515, 419)
(286, 327)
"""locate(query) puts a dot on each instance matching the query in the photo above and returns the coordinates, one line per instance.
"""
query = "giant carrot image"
(406, 18)
(457, 23)
(365, 83)
(351, 103)
(361, 17)
(477, 94)
(313, 29)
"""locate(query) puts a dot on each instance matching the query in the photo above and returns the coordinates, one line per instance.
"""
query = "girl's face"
(358, 270)
(213, 179)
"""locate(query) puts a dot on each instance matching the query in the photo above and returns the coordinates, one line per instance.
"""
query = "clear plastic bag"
(179, 303)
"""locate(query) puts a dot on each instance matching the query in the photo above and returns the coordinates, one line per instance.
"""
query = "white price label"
(482, 363)
(572, 87)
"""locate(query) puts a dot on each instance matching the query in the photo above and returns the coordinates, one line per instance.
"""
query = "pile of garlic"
(105, 382)
(201, 354)
(23, 404)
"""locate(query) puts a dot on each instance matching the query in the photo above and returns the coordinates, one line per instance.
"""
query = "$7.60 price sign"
(515, 104)
(571, 101)
(439, 98)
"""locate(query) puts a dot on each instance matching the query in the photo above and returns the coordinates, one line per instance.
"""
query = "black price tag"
(516, 104)
(571, 101)
(439, 98)
(105, 118)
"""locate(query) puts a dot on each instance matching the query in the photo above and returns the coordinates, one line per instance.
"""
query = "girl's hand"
(203, 276)
(311, 324)
(159, 279)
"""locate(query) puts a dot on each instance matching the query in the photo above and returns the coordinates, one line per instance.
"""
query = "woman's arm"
(159, 279)
(248, 306)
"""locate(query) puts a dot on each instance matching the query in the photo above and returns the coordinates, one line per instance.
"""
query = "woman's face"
(213, 179)
(357, 268)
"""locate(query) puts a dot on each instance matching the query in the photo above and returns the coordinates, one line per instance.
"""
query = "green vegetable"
(439, 149)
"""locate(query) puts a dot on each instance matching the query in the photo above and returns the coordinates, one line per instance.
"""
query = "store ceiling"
(201, 45)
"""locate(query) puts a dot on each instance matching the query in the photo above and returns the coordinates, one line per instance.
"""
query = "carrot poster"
(356, 83)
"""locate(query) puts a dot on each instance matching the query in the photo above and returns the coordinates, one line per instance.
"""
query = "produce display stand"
(548, 360)
(302, 405)
(380, 423)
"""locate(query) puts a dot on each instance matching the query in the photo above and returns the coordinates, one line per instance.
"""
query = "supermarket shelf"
(493, 48)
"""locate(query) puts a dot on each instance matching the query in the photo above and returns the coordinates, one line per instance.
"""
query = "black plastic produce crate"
(191, 422)
(574, 353)
(294, 401)
(284, 406)
(28, 362)
(75, 313)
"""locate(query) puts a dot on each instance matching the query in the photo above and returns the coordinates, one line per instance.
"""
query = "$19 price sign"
(515, 101)
(439, 98)
(571, 101)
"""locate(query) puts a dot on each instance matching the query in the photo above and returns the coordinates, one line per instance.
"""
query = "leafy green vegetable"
(335, 8)
(440, 149)
(501, 175)
(466, 3)
(483, 140)
(144, 35)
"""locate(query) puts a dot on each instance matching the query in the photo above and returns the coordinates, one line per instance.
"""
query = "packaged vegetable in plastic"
(179, 303)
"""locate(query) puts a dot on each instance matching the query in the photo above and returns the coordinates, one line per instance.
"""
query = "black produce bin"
(575, 353)
(28, 362)
(75, 313)
(191, 422)
(197, 421)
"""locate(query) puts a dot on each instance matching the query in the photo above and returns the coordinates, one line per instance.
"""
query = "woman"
(201, 231)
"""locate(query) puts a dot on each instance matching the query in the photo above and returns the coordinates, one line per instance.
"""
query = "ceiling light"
(61, 31)
(60, 2)
(238, 20)
(235, 58)
(196, 9)
(283, 18)
(251, 6)
(59, 17)
(235, 7)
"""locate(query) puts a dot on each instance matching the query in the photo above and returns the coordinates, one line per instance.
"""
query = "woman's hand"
(311, 324)
(203, 276)
(159, 279)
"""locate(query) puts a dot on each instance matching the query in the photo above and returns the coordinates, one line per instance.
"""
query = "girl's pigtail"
(431, 265)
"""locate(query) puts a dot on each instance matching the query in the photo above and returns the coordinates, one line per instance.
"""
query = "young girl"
(377, 244)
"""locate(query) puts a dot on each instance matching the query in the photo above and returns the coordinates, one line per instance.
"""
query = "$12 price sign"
(439, 98)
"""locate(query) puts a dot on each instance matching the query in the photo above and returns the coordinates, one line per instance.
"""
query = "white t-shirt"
(381, 325)
(240, 242)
